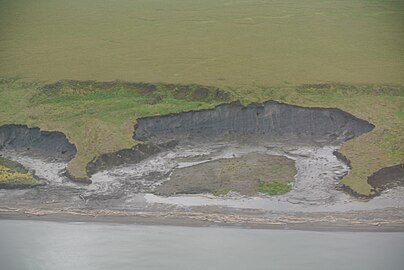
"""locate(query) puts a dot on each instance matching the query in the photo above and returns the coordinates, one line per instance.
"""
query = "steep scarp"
(270, 120)
(35, 142)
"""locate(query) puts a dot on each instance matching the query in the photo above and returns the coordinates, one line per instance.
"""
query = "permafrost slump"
(33, 141)
(43, 153)
(270, 120)
(309, 136)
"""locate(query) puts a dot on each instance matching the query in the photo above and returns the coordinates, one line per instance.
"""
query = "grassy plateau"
(343, 54)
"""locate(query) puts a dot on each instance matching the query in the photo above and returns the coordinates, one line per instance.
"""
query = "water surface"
(53, 245)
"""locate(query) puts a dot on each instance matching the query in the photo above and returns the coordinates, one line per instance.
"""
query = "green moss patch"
(275, 188)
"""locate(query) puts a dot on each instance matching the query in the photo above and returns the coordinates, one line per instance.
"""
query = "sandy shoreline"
(386, 220)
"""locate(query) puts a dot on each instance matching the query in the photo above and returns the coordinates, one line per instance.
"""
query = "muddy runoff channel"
(132, 179)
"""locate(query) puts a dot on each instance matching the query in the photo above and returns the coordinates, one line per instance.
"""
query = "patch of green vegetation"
(400, 114)
(13, 175)
(275, 188)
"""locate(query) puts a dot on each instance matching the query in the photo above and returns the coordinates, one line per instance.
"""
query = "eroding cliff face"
(387, 178)
(269, 120)
(126, 156)
(35, 142)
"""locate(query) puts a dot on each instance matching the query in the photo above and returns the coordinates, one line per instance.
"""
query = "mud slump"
(177, 147)
(270, 121)
(34, 142)
(304, 135)
(386, 178)
(44, 154)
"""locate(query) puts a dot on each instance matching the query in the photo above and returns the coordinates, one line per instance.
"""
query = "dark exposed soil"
(126, 156)
(355, 194)
(270, 120)
(52, 146)
(33, 141)
(340, 156)
(386, 178)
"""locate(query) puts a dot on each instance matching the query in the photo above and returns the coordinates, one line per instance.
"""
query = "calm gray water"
(52, 245)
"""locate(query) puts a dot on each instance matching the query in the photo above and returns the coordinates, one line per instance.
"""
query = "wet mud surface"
(131, 187)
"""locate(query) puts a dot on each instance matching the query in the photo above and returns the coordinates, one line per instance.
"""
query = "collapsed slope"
(97, 116)
(270, 120)
(267, 122)
(52, 147)
(35, 142)
(255, 125)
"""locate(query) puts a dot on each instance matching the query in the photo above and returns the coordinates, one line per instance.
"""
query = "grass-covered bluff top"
(98, 117)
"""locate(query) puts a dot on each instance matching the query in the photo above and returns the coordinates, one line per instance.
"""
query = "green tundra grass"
(255, 50)
(210, 42)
